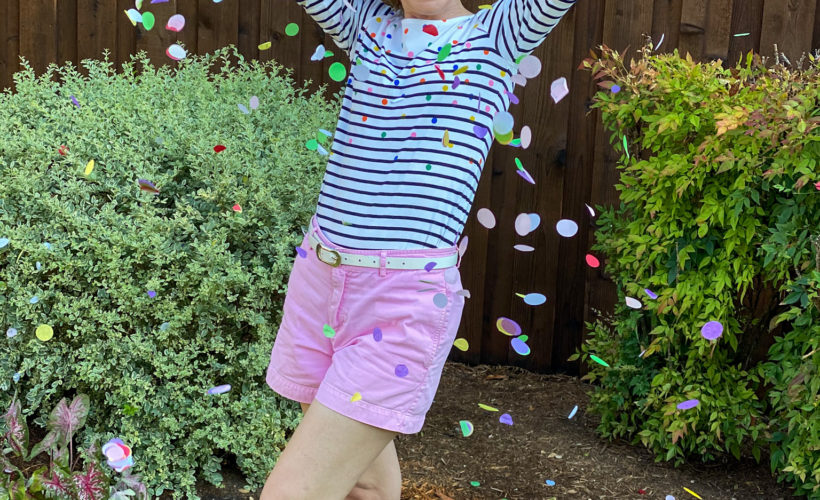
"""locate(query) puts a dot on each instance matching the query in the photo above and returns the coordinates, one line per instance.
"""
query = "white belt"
(335, 258)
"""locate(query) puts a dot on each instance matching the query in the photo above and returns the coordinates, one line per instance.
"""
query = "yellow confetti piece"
(489, 408)
(89, 167)
(265, 46)
(356, 397)
(485, 6)
(44, 332)
(692, 493)
(461, 70)
(446, 140)
(461, 344)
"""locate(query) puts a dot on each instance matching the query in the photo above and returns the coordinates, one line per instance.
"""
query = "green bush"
(718, 212)
(90, 247)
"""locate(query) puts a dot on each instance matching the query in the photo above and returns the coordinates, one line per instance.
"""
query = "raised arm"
(519, 26)
(342, 19)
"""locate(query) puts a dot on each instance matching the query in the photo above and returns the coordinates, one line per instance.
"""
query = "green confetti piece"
(444, 52)
(598, 360)
(516, 142)
(148, 20)
(337, 71)
(742, 34)
(328, 53)
(292, 29)
(626, 148)
(329, 331)
(475, 483)
(312, 144)
(518, 164)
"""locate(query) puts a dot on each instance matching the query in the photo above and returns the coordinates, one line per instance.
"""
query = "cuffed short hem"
(289, 389)
(362, 411)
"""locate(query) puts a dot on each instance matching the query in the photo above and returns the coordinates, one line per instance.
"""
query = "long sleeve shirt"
(416, 120)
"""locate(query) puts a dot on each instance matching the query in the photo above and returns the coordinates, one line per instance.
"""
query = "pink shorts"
(390, 343)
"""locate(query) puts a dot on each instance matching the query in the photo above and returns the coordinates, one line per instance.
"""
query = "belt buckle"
(338, 260)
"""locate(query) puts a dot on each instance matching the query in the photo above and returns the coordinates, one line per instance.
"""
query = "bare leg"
(325, 458)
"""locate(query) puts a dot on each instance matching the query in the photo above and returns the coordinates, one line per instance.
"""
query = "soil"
(515, 461)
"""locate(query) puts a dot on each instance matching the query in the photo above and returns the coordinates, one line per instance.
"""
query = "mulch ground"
(515, 461)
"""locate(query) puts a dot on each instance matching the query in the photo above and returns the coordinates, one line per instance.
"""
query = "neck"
(455, 9)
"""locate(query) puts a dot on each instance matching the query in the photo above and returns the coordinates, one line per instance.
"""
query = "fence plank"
(66, 31)
(218, 25)
(249, 28)
(789, 24)
(693, 28)
(747, 17)
(666, 19)
(10, 39)
(718, 29)
(38, 36)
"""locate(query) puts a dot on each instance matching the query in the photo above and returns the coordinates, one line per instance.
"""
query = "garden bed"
(515, 461)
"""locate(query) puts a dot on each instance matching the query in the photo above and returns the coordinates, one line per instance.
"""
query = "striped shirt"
(416, 120)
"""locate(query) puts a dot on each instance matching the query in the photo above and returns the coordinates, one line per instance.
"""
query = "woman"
(373, 308)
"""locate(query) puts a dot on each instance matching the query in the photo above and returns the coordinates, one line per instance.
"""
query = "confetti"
(176, 52)
(480, 131)
(466, 428)
(337, 71)
(526, 137)
(573, 412)
(712, 330)
(292, 29)
(566, 228)
(89, 167)
(652, 295)
(243, 109)
(11, 332)
(301, 252)
(445, 141)
(151, 293)
(525, 175)
(660, 42)
(44, 333)
(237, 208)
(533, 299)
(503, 123)
(328, 331)
(34, 300)
(591, 211)
(475, 483)
(220, 389)
(505, 418)
(264, 46)
(63, 150)
(692, 493)
(357, 396)
(615, 89)
(318, 54)
(530, 67)
(633, 303)
(219, 148)
(118, 455)
(440, 73)
(486, 218)
(550, 482)
(377, 334)
(134, 16)
(738, 34)
(524, 248)
(175, 23)
(508, 326)
(254, 102)
(519, 346)
(592, 261)
(440, 300)
(598, 360)
(669, 497)
(462, 247)
(148, 21)
(147, 186)
(401, 371)
(488, 408)
(461, 344)
(688, 404)
(559, 89)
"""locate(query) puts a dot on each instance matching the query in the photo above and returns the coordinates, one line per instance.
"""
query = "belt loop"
(383, 263)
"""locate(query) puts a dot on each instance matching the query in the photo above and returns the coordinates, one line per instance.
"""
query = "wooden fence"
(570, 159)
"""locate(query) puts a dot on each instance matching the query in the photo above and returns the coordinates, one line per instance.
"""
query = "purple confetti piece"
(456, 83)
(652, 295)
(480, 131)
(219, 389)
(513, 97)
(712, 330)
(152, 293)
(158, 1)
(401, 371)
(616, 89)
(429, 266)
(377, 334)
(688, 404)
(75, 101)
(506, 419)
(301, 251)
(525, 175)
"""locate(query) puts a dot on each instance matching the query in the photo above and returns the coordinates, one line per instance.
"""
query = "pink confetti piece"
(486, 218)
(592, 261)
